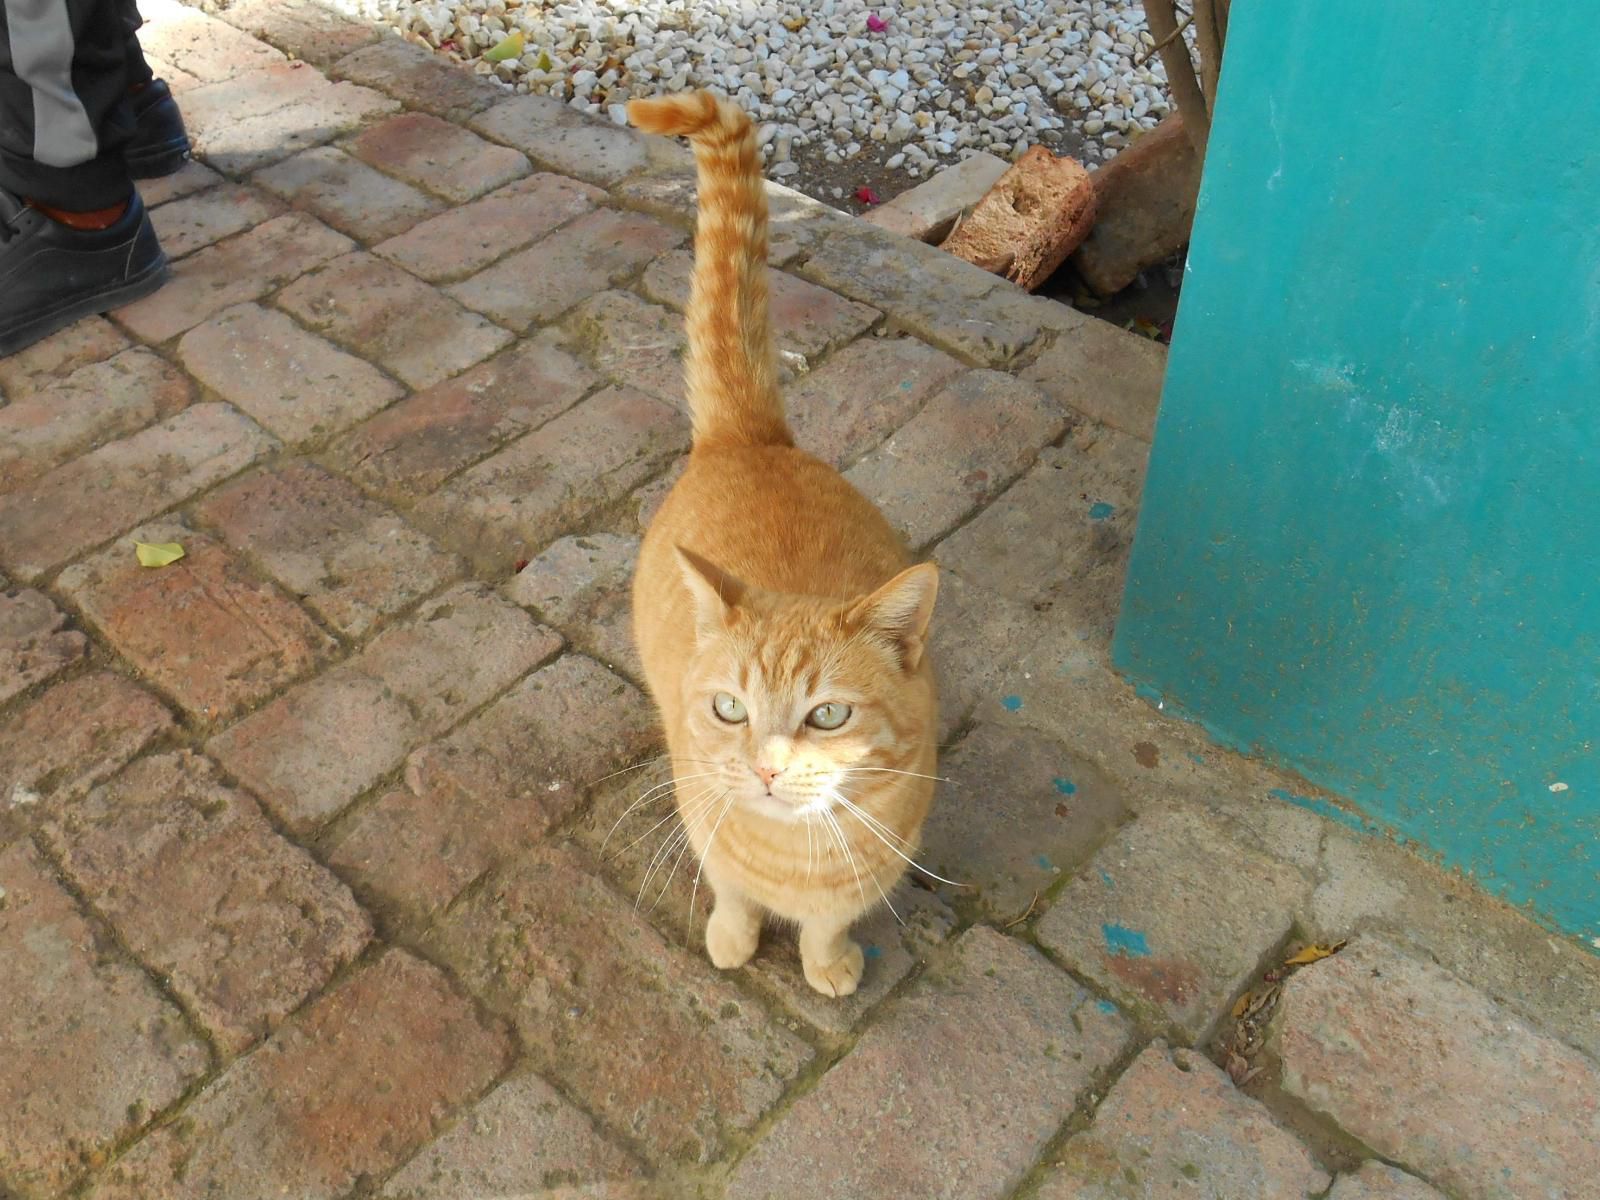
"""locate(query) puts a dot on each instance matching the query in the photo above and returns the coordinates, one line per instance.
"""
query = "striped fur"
(731, 373)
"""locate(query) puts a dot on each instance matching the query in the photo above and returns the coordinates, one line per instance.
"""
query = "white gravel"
(939, 81)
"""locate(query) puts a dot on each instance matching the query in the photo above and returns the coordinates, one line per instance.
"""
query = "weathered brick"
(347, 1089)
(406, 452)
(419, 77)
(970, 440)
(1438, 1078)
(591, 253)
(103, 400)
(494, 786)
(350, 558)
(193, 176)
(437, 155)
(581, 586)
(1379, 1181)
(647, 500)
(561, 140)
(92, 340)
(468, 238)
(200, 45)
(415, 332)
(204, 630)
(93, 498)
(1021, 811)
(197, 221)
(863, 394)
(320, 745)
(514, 1141)
(634, 342)
(243, 123)
(1175, 1125)
(347, 193)
(1161, 920)
(92, 1050)
(1000, 1044)
(1106, 373)
(242, 924)
(33, 644)
(294, 383)
(73, 736)
(1058, 540)
(536, 489)
(938, 297)
(558, 953)
(806, 320)
(302, 29)
(231, 272)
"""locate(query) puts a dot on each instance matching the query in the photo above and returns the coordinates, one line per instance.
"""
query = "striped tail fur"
(731, 371)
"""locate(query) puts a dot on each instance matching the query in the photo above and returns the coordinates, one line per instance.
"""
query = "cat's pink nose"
(768, 774)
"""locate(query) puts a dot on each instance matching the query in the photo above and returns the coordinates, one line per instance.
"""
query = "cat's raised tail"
(731, 372)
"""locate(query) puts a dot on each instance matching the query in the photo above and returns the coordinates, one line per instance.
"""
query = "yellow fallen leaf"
(506, 48)
(1239, 1006)
(1315, 952)
(157, 554)
(544, 63)
(794, 24)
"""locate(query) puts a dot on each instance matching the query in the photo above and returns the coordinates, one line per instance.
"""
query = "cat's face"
(796, 706)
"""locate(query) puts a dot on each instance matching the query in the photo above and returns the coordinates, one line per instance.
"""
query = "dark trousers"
(65, 70)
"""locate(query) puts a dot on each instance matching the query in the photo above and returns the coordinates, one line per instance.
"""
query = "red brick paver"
(436, 155)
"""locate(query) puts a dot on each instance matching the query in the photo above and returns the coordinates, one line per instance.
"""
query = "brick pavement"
(308, 884)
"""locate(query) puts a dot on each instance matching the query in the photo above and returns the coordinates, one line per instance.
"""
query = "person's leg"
(64, 112)
(74, 236)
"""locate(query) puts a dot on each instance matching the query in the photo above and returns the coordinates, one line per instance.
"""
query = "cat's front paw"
(731, 938)
(839, 977)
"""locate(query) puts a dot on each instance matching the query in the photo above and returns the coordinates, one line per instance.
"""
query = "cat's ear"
(715, 593)
(901, 610)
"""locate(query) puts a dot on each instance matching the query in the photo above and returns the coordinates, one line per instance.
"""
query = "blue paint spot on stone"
(874, 952)
(1127, 943)
(1107, 880)
(1065, 786)
(1100, 510)
(1011, 703)
(1197, 758)
(1045, 863)
(1106, 1006)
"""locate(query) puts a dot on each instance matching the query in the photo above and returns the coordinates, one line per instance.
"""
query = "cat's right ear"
(715, 593)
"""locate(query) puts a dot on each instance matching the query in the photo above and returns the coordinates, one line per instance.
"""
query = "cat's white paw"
(839, 977)
(731, 938)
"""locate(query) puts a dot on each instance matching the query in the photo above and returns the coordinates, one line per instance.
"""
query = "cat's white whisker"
(653, 794)
(682, 850)
(844, 844)
(695, 810)
(868, 821)
(838, 795)
(896, 771)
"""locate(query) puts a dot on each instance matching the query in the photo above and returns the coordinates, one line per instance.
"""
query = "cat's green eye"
(729, 708)
(828, 716)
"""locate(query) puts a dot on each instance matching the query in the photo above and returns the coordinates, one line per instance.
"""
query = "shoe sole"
(20, 337)
(155, 161)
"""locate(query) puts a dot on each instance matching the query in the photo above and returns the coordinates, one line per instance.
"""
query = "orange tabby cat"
(781, 630)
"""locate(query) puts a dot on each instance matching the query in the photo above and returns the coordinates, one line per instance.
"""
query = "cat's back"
(777, 518)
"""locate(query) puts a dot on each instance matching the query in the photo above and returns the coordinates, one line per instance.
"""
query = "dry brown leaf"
(1315, 952)
(1240, 1005)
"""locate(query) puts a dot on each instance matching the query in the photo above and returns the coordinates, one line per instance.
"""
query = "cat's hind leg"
(832, 960)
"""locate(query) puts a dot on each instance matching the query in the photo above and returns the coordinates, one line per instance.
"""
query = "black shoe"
(160, 143)
(51, 275)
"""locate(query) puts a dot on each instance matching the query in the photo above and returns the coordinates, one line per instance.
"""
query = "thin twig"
(1208, 35)
(1024, 914)
(1162, 21)
(1151, 51)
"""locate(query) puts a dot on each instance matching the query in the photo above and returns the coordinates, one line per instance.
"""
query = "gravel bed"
(844, 89)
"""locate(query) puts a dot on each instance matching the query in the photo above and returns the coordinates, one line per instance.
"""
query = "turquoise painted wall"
(1370, 539)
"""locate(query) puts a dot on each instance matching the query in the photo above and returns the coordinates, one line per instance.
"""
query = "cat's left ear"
(715, 592)
(901, 610)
